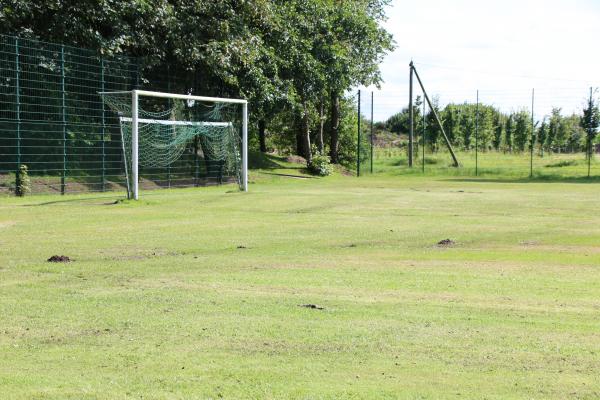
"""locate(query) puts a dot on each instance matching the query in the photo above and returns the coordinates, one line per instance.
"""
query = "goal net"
(157, 129)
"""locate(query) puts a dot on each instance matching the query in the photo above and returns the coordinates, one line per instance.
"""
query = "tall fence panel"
(53, 120)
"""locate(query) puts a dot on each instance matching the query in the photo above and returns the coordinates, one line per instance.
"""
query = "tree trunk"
(321, 124)
(335, 128)
(306, 134)
(261, 135)
(299, 138)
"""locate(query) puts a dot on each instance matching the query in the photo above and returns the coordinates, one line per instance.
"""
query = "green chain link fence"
(53, 121)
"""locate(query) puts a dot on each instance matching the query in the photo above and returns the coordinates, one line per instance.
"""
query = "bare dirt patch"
(446, 243)
(295, 159)
(312, 306)
(59, 259)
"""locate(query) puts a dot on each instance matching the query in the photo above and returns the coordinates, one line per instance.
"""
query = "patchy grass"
(207, 293)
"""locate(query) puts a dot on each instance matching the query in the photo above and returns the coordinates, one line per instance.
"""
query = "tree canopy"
(285, 56)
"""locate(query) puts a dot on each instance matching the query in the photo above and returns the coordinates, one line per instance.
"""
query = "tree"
(542, 135)
(468, 127)
(498, 130)
(522, 133)
(590, 121)
(558, 130)
(451, 122)
(432, 130)
(351, 53)
(486, 127)
(399, 123)
(509, 133)
(553, 139)
(575, 134)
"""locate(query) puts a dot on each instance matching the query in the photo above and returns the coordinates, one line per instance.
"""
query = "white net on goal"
(169, 127)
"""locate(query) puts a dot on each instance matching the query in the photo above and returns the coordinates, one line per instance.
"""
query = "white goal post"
(135, 122)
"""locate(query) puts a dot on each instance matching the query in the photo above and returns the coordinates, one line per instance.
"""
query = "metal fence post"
(372, 132)
(477, 135)
(588, 141)
(103, 127)
(170, 103)
(18, 103)
(424, 127)
(64, 119)
(196, 163)
(358, 141)
(532, 141)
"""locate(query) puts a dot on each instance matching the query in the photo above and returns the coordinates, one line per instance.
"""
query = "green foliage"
(22, 181)
(348, 132)
(509, 132)
(522, 130)
(451, 122)
(320, 164)
(468, 127)
(495, 130)
(542, 136)
(284, 56)
(498, 130)
(590, 121)
(399, 123)
(432, 129)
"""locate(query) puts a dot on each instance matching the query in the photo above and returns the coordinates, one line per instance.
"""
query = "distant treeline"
(488, 128)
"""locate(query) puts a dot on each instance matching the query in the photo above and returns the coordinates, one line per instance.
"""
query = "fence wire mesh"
(53, 120)
(501, 133)
(365, 133)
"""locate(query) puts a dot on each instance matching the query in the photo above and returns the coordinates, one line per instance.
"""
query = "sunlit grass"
(198, 293)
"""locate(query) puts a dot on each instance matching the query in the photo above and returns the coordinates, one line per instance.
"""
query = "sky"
(503, 48)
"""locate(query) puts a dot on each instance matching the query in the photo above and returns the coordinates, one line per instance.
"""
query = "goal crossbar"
(173, 122)
(148, 93)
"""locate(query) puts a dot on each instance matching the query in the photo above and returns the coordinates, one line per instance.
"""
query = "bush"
(22, 182)
(320, 165)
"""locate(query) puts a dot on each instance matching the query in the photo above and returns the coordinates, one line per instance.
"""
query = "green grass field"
(197, 293)
(550, 167)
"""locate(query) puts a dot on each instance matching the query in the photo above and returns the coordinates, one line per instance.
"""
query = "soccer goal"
(158, 128)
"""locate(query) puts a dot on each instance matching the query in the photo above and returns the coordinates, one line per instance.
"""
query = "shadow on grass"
(77, 200)
(290, 175)
(258, 160)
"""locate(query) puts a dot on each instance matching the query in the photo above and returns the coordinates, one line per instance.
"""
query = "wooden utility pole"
(435, 114)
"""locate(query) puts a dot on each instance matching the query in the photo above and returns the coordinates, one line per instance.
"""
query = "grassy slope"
(161, 303)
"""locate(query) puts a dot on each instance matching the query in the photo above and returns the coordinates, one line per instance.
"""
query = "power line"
(491, 72)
